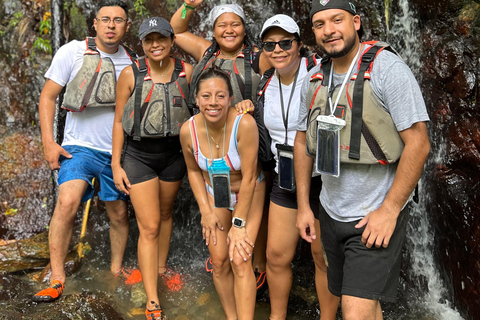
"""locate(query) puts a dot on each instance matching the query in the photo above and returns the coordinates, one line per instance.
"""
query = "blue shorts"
(86, 164)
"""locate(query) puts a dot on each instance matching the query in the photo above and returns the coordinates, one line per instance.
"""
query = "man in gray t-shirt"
(362, 218)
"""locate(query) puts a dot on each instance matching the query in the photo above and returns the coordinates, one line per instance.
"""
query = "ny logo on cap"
(152, 23)
(324, 2)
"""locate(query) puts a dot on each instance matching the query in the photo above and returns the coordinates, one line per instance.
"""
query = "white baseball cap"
(281, 21)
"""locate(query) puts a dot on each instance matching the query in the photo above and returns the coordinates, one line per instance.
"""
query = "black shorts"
(288, 199)
(151, 158)
(355, 270)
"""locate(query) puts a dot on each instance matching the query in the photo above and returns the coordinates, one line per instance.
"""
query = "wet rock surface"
(451, 78)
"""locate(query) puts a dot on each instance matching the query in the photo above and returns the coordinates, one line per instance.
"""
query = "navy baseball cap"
(155, 24)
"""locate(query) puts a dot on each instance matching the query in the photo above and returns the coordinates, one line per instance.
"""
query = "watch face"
(237, 222)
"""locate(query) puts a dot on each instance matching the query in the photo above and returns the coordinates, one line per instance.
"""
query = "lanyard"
(285, 118)
(347, 76)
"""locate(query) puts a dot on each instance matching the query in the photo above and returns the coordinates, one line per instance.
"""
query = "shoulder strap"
(91, 44)
(235, 130)
(193, 83)
(267, 75)
(179, 67)
(133, 55)
(139, 74)
(248, 72)
(357, 102)
(312, 61)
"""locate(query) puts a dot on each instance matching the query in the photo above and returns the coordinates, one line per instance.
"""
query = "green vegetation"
(42, 41)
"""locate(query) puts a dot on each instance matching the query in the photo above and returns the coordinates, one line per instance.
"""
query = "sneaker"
(261, 282)
(129, 276)
(50, 294)
(172, 280)
(155, 314)
(209, 265)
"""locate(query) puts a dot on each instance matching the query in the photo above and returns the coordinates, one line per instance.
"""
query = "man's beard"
(349, 44)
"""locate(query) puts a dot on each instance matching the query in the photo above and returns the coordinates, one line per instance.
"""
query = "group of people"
(278, 144)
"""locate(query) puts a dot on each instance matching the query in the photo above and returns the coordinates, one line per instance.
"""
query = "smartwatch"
(238, 222)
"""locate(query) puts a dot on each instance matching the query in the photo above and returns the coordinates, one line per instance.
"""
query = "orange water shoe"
(155, 314)
(50, 294)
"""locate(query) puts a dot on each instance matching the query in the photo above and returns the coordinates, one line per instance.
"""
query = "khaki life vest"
(370, 135)
(243, 77)
(156, 110)
(94, 84)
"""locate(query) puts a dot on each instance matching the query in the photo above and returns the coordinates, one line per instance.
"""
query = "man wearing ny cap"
(363, 211)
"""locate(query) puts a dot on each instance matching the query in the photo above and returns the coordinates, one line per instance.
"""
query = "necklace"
(216, 144)
(232, 56)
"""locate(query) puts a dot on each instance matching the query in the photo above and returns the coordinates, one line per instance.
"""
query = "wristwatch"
(238, 222)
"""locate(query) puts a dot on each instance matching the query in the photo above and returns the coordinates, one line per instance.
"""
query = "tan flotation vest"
(243, 78)
(94, 84)
(156, 110)
(370, 135)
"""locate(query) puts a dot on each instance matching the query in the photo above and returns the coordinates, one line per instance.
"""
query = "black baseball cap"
(320, 5)
(155, 24)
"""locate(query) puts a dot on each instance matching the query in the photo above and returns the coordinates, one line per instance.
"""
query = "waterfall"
(423, 269)
(58, 40)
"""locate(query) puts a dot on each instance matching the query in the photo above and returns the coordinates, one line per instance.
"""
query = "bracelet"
(184, 10)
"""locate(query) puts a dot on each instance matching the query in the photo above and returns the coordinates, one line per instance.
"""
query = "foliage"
(42, 41)
(17, 16)
(140, 9)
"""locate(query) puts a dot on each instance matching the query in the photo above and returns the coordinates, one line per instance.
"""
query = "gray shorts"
(355, 270)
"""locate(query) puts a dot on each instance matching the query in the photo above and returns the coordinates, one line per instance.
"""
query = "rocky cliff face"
(450, 37)
(449, 76)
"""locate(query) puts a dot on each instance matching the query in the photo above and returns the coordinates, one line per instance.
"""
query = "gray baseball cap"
(155, 24)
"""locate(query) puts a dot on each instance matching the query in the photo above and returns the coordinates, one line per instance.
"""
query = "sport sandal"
(52, 293)
(155, 314)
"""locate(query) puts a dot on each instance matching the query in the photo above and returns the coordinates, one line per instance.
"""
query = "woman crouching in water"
(220, 149)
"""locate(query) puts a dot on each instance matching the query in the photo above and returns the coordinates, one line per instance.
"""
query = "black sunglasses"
(269, 46)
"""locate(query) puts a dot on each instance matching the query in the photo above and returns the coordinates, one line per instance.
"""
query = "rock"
(203, 299)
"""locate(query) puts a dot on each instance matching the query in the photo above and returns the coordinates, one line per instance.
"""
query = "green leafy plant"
(17, 16)
(42, 41)
(140, 9)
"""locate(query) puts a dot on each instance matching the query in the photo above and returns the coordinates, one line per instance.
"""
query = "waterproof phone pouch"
(219, 173)
(327, 160)
(286, 172)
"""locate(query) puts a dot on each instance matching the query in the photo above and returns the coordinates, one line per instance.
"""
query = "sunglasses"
(269, 46)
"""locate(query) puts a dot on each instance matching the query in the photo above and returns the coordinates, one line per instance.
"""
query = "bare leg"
(117, 213)
(222, 271)
(61, 225)
(260, 250)
(168, 193)
(244, 278)
(281, 244)
(354, 308)
(145, 197)
(328, 302)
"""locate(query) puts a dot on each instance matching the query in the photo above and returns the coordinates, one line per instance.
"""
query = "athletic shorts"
(355, 270)
(85, 164)
(154, 158)
(288, 199)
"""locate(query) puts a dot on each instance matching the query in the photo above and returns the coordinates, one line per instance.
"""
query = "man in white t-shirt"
(85, 152)
(362, 214)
